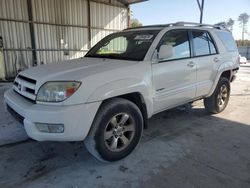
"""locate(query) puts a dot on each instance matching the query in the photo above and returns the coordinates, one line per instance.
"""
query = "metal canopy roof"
(127, 2)
(118, 2)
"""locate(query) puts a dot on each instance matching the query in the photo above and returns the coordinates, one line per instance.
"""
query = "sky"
(168, 11)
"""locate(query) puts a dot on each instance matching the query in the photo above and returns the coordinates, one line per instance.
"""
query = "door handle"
(191, 64)
(216, 59)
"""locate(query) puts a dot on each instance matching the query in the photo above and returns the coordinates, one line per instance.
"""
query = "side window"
(177, 42)
(227, 40)
(203, 43)
(211, 45)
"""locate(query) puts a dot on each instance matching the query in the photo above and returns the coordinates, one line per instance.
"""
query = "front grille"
(25, 87)
(27, 79)
(32, 91)
(17, 116)
(30, 100)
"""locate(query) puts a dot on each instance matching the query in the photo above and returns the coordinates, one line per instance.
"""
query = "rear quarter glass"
(227, 40)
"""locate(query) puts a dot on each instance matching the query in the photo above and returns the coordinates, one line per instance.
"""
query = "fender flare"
(226, 66)
(122, 87)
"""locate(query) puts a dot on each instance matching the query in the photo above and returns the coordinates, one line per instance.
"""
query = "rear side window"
(203, 43)
(211, 45)
(227, 40)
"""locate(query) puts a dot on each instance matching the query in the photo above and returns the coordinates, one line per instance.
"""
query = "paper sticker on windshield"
(143, 37)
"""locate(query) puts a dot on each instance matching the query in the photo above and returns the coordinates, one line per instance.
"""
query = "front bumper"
(77, 119)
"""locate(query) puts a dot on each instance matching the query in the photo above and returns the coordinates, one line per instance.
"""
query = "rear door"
(206, 59)
(174, 79)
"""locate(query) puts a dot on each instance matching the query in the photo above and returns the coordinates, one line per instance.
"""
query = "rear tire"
(116, 130)
(218, 101)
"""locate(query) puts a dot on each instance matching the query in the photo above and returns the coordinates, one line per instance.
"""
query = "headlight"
(57, 91)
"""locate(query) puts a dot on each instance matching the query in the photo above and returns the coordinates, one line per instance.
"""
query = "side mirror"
(165, 52)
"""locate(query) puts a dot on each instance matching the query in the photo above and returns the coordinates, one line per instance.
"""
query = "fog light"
(50, 128)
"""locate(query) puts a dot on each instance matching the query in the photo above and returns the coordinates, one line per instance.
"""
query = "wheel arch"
(226, 73)
(138, 99)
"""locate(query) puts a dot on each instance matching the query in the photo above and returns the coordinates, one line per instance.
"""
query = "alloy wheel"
(222, 96)
(119, 132)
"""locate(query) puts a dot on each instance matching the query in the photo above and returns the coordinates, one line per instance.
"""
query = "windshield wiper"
(109, 56)
(112, 56)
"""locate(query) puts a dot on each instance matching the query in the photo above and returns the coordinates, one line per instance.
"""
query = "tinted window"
(127, 45)
(227, 40)
(211, 45)
(177, 41)
(201, 43)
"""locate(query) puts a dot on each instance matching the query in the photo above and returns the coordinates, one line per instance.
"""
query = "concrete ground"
(183, 147)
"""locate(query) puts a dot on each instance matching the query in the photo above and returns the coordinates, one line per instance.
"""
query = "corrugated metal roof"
(122, 2)
(127, 2)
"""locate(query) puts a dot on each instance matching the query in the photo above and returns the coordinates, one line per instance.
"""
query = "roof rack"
(151, 26)
(199, 25)
(182, 24)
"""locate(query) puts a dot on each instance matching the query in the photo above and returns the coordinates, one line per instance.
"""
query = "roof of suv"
(183, 24)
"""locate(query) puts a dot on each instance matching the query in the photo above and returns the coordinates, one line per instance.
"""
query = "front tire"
(218, 101)
(116, 130)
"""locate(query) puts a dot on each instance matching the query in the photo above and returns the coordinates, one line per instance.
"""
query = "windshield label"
(143, 37)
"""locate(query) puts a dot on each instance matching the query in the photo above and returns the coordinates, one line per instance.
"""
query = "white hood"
(76, 69)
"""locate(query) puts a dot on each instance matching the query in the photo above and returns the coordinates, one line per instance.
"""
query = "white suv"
(106, 97)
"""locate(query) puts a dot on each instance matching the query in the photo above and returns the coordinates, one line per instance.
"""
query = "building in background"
(37, 32)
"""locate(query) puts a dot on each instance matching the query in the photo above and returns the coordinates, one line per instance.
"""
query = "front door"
(174, 78)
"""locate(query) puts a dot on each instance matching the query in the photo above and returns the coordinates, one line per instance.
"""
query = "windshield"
(128, 45)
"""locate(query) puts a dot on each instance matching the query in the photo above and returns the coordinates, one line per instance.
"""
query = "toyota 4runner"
(106, 97)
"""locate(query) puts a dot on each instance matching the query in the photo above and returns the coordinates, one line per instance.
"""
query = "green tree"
(243, 19)
(135, 23)
(243, 42)
(229, 24)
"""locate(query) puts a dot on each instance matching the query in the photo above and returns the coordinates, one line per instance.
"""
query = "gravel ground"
(183, 147)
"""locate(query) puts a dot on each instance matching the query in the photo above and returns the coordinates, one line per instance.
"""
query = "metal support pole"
(32, 33)
(128, 16)
(248, 53)
(2, 64)
(201, 7)
(89, 24)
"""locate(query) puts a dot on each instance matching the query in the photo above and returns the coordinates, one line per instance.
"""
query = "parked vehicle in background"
(243, 60)
(107, 97)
